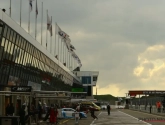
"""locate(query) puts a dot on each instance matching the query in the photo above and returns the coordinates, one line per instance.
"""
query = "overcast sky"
(122, 39)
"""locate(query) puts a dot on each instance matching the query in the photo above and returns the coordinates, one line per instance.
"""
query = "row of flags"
(63, 35)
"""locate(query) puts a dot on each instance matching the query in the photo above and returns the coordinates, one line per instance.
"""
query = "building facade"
(88, 79)
(25, 62)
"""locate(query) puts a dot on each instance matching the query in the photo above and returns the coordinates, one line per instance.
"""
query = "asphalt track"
(117, 117)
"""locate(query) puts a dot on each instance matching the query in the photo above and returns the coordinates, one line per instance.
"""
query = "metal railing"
(144, 108)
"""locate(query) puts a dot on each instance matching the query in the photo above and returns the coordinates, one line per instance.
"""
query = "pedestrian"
(22, 115)
(39, 110)
(150, 107)
(93, 113)
(108, 109)
(56, 113)
(52, 115)
(7, 109)
(11, 112)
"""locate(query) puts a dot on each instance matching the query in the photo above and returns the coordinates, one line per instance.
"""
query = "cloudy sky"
(122, 39)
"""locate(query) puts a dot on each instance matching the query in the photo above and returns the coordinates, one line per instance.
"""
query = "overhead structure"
(146, 92)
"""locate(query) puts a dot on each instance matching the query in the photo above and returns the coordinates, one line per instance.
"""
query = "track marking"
(148, 113)
(135, 118)
(95, 119)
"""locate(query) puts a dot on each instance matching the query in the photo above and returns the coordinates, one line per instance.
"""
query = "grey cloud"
(109, 35)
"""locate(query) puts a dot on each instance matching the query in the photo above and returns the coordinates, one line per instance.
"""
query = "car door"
(70, 112)
(67, 112)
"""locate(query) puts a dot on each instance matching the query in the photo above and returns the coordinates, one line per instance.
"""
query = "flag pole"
(41, 22)
(55, 39)
(29, 20)
(63, 53)
(61, 49)
(10, 8)
(51, 36)
(58, 49)
(47, 30)
(36, 21)
(20, 10)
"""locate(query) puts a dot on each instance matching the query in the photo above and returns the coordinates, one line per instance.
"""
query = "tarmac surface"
(117, 117)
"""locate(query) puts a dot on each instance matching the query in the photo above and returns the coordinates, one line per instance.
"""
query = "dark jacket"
(22, 114)
(108, 107)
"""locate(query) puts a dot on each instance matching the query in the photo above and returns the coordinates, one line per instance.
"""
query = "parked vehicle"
(103, 107)
(86, 105)
(69, 113)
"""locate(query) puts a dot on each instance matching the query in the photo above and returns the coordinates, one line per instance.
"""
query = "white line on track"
(149, 114)
(135, 118)
(95, 119)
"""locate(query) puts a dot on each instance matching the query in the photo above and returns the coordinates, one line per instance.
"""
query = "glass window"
(17, 40)
(14, 37)
(5, 47)
(8, 33)
(20, 56)
(24, 44)
(5, 30)
(20, 41)
(11, 35)
(11, 50)
(1, 26)
(27, 45)
(3, 42)
(25, 59)
(8, 48)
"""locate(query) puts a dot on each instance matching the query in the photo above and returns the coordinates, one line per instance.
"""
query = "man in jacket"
(108, 109)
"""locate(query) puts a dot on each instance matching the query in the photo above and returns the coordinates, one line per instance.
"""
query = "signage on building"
(77, 90)
(35, 86)
(146, 92)
(21, 88)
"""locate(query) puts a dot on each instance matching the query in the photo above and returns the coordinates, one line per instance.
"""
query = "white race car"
(70, 113)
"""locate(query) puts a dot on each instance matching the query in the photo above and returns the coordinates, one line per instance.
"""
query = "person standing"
(150, 107)
(22, 115)
(108, 109)
(11, 109)
(8, 110)
(56, 113)
(39, 110)
(52, 115)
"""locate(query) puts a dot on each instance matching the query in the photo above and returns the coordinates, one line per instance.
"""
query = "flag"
(67, 43)
(50, 28)
(49, 24)
(64, 64)
(72, 47)
(61, 33)
(31, 6)
(36, 9)
(56, 57)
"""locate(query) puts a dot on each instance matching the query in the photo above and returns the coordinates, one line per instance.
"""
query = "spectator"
(108, 109)
(52, 114)
(7, 109)
(22, 115)
(150, 107)
(11, 112)
(39, 109)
